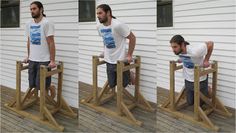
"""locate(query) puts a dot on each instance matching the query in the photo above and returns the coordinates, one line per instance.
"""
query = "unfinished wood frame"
(123, 112)
(200, 116)
(48, 106)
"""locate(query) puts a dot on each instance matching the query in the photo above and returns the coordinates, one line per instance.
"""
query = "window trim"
(165, 3)
(95, 4)
(10, 5)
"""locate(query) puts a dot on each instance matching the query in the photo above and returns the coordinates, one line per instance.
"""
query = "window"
(164, 13)
(87, 10)
(10, 13)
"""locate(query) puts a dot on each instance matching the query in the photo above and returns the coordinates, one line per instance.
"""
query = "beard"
(35, 15)
(177, 53)
(103, 20)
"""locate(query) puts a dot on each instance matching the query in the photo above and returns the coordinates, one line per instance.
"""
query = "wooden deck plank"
(167, 121)
(115, 125)
(12, 122)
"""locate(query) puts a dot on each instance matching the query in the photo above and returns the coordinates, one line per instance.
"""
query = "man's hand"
(129, 58)
(26, 60)
(206, 63)
(101, 55)
(52, 64)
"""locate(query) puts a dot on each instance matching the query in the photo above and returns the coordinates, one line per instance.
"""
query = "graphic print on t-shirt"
(35, 35)
(108, 39)
(187, 61)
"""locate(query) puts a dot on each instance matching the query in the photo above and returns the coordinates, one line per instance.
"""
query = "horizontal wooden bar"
(205, 72)
(101, 62)
(131, 66)
(178, 67)
(24, 67)
(50, 73)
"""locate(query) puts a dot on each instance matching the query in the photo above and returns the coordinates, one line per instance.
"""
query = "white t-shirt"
(114, 39)
(195, 55)
(37, 33)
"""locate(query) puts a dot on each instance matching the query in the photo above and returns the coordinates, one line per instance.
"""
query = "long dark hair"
(178, 39)
(106, 8)
(39, 5)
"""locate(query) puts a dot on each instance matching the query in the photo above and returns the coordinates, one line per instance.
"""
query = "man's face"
(176, 48)
(35, 11)
(102, 16)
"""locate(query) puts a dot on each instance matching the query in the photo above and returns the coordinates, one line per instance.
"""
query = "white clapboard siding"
(140, 16)
(64, 14)
(199, 21)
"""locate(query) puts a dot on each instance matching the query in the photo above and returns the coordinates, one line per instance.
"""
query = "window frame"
(17, 3)
(85, 20)
(161, 3)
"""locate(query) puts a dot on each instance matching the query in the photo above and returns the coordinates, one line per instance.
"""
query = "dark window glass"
(164, 13)
(86, 10)
(10, 13)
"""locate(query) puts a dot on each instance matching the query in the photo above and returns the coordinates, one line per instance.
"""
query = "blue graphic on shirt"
(35, 35)
(187, 61)
(108, 39)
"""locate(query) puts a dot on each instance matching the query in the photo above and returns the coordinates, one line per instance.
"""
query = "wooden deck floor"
(93, 121)
(12, 122)
(167, 123)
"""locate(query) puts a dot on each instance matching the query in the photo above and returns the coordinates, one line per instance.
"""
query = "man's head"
(36, 9)
(104, 13)
(178, 44)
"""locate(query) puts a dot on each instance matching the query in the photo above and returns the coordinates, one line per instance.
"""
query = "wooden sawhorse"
(200, 117)
(123, 107)
(48, 106)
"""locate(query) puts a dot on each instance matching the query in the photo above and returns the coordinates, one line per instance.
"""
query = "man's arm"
(210, 46)
(52, 50)
(26, 60)
(132, 42)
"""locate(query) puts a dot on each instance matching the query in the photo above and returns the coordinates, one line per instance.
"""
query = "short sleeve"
(49, 29)
(123, 29)
(98, 29)
(200, 50)
(27, 30)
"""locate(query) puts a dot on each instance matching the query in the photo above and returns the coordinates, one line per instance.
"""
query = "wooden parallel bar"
(208, 71)
(50, 73)
(131, 66)
(178, 67)
(101, 62)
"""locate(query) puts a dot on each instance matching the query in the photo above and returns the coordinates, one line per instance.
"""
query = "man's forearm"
(28, 48)
(52, 51)
(132, 42)
(210, 46)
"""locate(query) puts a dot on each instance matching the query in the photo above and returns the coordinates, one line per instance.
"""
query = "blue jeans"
(34, 74)
(189, 86)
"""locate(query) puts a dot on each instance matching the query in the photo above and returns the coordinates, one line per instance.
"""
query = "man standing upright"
(40, 45)
(114, 34)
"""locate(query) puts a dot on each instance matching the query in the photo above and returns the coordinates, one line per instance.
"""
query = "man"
(40, 45)
(114, 34)
(190, 55)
